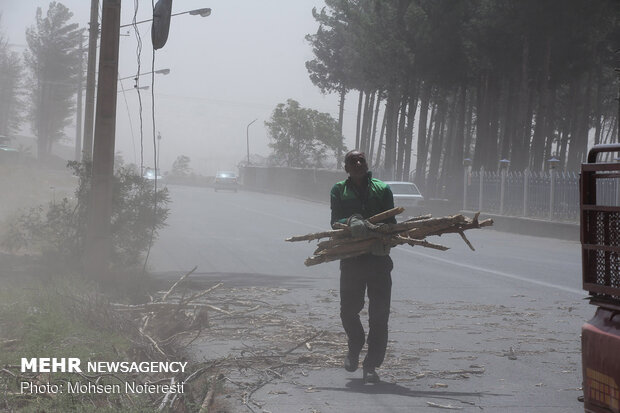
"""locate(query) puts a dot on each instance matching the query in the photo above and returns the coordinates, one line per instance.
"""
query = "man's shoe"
(351, 362)
(370, 375)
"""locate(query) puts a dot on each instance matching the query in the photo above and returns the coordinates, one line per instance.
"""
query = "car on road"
(149, 174)
(408, 196)
(4, 145)
(225, 180)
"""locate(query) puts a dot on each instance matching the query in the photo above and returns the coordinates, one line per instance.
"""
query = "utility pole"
(78, 121)
(93, 34)
(98, 237)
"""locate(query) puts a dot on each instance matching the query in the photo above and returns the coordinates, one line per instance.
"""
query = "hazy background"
(225, 71)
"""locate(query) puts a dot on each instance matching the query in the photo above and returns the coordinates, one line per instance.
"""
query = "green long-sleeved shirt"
(347, 199)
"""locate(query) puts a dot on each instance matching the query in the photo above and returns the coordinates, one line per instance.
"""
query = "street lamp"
(247, 137)
(198, 12)
(134, 88)
(89, 120)
(158, 72)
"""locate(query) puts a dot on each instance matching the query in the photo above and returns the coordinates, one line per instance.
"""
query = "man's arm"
(337, 212)
(388, 203)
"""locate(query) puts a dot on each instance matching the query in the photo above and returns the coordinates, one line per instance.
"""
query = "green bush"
(58, 231)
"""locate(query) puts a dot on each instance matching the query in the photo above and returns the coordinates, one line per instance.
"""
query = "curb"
(534, 227)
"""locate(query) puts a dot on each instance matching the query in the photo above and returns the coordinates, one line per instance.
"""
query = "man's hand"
(361, 227)
(357, 226)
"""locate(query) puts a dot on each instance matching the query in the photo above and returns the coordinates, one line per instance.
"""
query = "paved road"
(492, 330)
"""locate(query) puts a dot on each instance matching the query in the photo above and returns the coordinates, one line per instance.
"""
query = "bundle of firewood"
(341, 244)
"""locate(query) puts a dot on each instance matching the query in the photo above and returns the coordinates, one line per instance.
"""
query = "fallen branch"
(179, 281)
(411, 232)
(375, 219)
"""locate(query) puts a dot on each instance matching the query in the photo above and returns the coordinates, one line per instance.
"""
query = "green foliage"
(521, 80)
(180, 167)
(301, 137)
(62, 318)
(58, 231)
(11, 103)
(54, 60)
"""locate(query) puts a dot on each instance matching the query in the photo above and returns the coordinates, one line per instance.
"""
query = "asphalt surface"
(494, 330)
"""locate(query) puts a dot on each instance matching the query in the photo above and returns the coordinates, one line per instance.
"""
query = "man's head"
(355, 164)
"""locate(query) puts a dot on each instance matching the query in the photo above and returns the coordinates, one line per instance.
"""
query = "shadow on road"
(358, 386)
(200, 280)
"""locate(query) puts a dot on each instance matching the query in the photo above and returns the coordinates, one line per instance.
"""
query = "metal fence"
(549, 195)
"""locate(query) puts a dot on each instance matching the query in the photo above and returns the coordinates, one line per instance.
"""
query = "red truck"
(600, 246)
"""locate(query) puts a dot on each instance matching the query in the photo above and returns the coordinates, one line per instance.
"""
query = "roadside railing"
(552, 195)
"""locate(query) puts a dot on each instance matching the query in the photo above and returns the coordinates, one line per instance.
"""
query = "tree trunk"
(574, 144)
(343, 93)
(567, 125)
(506, 119)
(402, 140)
(468, 128)
(585, 123)
(520, 144)
(482, 123)
(420, 168)
(374, 126)
(381, 135)
(538, 140)
(550, 126)
(436, 146)
(455, 166)
(359, 118)
(492, 101)
(369, 123)
(365, 118)
(413, 106)
(392, 108)
(448, 145)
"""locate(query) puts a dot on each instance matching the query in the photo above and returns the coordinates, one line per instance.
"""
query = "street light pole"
(158, 152)
(247, 137)
(78, 120)
(159, 72)
(89, 112)
(197, 12)
(93, 35)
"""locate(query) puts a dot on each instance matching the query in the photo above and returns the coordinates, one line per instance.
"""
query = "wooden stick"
(319, 235)
(289, 351)
(426, 244)
(198, 295)
(210, 397)
(419, 218)
(375, 219)
(345, 231)
(405, 226)
(462, 234)
(178, 282)
(164, 402)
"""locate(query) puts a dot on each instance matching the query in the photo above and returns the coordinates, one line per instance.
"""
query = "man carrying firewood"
(353, 201)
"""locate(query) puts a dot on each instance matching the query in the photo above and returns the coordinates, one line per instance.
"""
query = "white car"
(408, 196)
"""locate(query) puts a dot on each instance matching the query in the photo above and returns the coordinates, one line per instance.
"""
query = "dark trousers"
(358, 275)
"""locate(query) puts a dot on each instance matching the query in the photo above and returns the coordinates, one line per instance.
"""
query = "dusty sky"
(225, 70)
